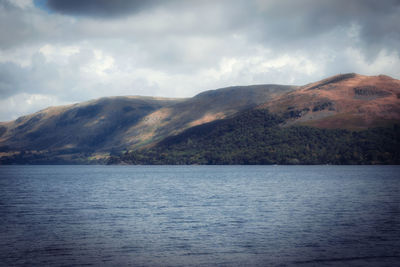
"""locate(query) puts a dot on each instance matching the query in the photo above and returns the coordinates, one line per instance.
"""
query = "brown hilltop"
(350, 101)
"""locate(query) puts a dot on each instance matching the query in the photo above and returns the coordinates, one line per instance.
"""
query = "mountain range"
(344, 119)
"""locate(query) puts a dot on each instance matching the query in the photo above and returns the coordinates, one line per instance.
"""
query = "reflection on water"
(200, 215)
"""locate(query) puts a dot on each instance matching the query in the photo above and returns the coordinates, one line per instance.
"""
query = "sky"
(55, 52)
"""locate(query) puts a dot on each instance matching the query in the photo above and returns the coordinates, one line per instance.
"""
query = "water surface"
(200, 215)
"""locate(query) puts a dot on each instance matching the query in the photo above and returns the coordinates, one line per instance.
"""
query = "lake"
(200, 215)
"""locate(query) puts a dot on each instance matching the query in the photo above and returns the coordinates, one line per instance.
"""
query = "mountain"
(94, 129)
(202, 108)
(344, 119)
(257, 137)
(350, 101)
(78, 128)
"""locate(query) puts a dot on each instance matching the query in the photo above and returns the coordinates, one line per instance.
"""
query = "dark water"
(200, 215)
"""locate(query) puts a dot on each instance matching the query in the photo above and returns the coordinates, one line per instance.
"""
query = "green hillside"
(255, 137)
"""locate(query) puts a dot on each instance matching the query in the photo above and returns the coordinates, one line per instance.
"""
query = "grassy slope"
(90, 130)
(255, 137)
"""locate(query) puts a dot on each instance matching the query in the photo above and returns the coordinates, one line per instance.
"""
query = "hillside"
(344, 119)
(256, 137)
(202, 108)
(77, 128)
(94, 129)
(350, 101)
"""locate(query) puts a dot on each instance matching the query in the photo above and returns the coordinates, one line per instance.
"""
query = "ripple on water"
(200, 215)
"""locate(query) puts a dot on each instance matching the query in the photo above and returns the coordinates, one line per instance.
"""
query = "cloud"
(22, 104)
(100, 8)
(69, 51)
(299, 23)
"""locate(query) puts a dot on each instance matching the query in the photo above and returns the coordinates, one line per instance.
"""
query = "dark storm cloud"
(296, 23)
(100, 8)
(281, 25)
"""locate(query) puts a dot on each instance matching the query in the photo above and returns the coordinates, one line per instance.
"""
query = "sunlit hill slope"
(216, 125)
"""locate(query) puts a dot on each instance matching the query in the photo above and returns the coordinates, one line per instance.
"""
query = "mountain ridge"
(94, 130)
(351, 101)
(118, 123)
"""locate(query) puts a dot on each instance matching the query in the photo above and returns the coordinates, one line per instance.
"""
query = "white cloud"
(22, 104)
(385, 62)
(178, 50)
(22, 3)
(59, 53)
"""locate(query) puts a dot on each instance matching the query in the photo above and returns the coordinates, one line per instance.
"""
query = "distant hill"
(87, 126)
(350, 101)
(91, 131)
(202, 108)
(344, 119)
(257, 137)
